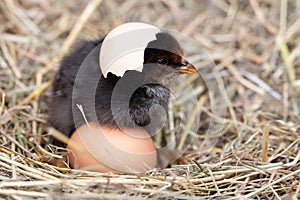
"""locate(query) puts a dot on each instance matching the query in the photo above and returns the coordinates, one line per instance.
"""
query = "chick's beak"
(185, 67)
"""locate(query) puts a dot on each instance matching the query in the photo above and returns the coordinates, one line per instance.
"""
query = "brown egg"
(106, 149)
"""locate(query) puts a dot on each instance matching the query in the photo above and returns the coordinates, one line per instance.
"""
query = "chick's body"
(114, 101)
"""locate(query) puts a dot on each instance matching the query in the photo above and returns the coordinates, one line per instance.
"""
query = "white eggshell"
(123, 47)
(104, 149)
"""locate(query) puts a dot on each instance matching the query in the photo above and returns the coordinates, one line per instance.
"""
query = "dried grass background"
(255, 45)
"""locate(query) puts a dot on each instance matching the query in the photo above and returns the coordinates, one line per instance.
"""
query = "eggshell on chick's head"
(106, 149)
(123, 48)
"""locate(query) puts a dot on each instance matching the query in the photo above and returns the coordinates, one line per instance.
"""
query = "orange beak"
(186, 67)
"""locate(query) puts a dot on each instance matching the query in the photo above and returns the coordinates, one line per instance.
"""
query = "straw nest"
(255, 48)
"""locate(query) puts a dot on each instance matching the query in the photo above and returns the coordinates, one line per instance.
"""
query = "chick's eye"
(162, 61)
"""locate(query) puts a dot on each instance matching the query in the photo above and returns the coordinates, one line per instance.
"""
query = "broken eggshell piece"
(123, 48)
